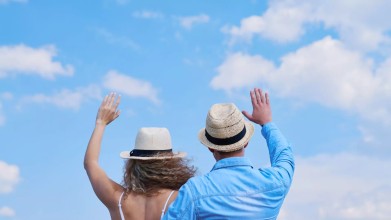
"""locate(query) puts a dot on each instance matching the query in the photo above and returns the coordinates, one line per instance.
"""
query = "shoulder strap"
(165, 205)
(120, 206)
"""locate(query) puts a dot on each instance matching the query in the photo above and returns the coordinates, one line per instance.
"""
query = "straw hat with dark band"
(226, 129)
(150, 142)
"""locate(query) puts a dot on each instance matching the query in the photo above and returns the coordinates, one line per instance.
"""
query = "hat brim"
(232, 147)
(126, 155)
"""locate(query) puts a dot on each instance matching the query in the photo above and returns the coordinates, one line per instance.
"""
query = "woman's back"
(140, 207)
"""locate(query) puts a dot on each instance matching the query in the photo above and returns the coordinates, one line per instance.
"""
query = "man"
(233, 189)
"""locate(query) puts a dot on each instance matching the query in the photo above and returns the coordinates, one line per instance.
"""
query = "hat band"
(225, 141)
(147, 153)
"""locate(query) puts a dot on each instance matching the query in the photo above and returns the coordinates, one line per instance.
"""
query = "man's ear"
(245, 145)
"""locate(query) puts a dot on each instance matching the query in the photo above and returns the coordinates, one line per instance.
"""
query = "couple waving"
(159, 184)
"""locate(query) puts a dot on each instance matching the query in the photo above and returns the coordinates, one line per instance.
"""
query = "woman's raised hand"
(108, 111)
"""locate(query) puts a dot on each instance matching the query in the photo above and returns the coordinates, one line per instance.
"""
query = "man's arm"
(281, 156)
(280, 152)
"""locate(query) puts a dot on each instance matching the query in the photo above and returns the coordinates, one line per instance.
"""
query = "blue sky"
(326, 66)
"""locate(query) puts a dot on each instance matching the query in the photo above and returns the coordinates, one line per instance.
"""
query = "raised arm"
(280, 152)
(103, 186)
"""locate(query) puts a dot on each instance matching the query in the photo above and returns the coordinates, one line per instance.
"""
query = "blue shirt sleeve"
(183, 206)
(281, 156)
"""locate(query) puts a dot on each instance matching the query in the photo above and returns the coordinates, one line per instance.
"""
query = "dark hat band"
(147, 153)
(226, 141)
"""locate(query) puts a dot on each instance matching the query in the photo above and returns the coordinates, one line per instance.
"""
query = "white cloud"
(7, 211)
(242, 70)
(325, 72)
(10, 1)
(9, 177)
(69, 99)
(130, 86)
(21, 59)
(188, 22)
(373, 204)
(147, 14)
(341, 186)
(360, 24)
(279, 23)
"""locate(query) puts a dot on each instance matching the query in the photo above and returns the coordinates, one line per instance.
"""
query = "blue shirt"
(233, 189)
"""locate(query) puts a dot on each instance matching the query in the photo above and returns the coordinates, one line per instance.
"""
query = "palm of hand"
(262, 113)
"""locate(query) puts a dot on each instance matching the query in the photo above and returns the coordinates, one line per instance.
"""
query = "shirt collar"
(232, 162)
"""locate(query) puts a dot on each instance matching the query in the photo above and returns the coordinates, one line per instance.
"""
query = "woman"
(152, 176)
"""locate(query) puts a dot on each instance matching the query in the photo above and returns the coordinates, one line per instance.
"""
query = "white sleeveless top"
(163, 210)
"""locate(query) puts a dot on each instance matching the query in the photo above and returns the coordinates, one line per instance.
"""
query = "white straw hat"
(226, 129)
(149, 143)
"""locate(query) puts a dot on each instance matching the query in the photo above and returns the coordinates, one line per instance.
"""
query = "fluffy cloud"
(325, 72)
(9, 177)
(69, 99)
(21, 59)
(188, 22)
(242, 70)
(74, 98)
(280, 23)
(360, 24)
(7, 211)
(130, 86)
(341, 186)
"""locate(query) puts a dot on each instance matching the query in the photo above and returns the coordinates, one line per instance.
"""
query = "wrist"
(265, 122)
(99, 123)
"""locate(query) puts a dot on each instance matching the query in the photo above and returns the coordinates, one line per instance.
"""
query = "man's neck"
(222, 155)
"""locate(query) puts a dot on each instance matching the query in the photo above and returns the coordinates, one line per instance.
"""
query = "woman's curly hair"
(147, 177)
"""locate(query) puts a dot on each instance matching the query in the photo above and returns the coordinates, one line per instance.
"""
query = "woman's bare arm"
(103, 186)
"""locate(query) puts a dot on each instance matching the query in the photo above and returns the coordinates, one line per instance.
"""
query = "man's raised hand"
(262, 112)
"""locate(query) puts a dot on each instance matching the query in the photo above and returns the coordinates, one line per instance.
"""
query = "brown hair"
(147, 177)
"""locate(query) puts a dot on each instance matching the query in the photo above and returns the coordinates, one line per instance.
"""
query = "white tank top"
(163, 210)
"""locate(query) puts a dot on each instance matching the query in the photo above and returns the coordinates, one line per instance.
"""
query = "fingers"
(108, 110)
(267, 98)
(258, 94)
(117, 102)
(111, 99)
(254, 101)
(258, 97)
(117, 113)
(104, 101)
(247, 115)
(110, 104)
(262, 96)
